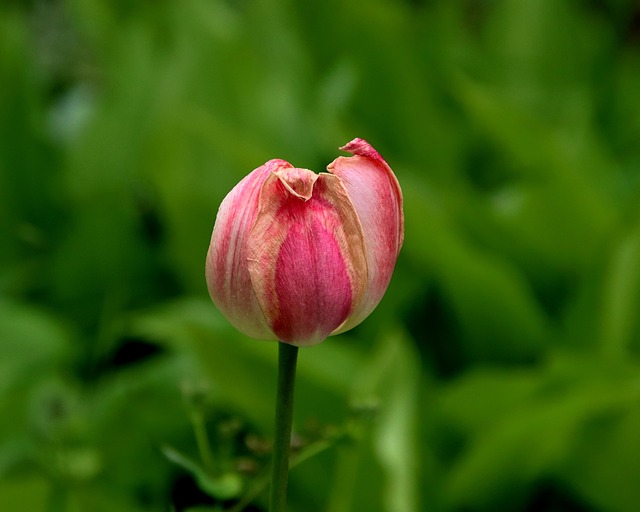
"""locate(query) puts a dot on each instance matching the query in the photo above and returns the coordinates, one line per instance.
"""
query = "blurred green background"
(501, 371)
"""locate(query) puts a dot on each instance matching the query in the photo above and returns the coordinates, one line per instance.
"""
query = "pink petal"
(227, 274)
(376, 195)
(306, 255)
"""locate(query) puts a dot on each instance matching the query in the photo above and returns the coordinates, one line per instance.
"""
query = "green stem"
(287, 357)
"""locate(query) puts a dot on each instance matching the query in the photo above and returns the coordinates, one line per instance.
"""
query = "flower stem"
(287, 358)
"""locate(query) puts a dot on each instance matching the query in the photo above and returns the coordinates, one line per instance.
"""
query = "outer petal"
(376, 195)
(306, 255)
(227, 274)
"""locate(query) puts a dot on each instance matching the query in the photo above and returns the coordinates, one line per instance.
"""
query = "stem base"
(287, 359)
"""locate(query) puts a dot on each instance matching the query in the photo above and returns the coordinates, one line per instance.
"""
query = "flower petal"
(376, 195)
(306, 255)
(227, 274)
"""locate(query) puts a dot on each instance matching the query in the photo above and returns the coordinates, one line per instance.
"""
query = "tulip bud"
(297, 256)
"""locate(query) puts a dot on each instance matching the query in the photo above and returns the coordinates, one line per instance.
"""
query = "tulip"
(297, 256)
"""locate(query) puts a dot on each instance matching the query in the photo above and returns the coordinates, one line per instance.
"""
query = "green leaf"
(225, 486)
(391, 378)
(535, 437)
(27, 493)
(621, 296)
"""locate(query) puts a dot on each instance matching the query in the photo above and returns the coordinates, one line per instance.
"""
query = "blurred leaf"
(491, 300)
(31, 343)
(532, 438)
(242, 372)
(539, 153)
(396, 379)
(387, 389)
(481, 397)
(223, 487)
(605, 466)
(621, 295)
(30, 493)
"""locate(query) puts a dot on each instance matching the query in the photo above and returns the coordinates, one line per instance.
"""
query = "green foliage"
(500, 372)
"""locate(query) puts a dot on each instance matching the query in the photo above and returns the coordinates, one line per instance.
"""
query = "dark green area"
(501, 372)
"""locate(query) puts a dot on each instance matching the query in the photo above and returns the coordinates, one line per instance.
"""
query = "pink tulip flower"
(297, 256)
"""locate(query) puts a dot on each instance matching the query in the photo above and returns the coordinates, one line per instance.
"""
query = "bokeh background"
(501, 371)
